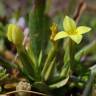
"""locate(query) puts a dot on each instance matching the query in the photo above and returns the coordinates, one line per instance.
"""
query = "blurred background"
(56, 9)
(83, 12)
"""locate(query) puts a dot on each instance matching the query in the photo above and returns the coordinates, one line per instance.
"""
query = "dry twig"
(79, 10)
(31, 92)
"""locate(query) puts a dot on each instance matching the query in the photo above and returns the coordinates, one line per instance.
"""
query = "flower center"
(72, 32)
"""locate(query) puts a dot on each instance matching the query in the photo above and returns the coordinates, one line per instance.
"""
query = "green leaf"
(93, 69)
(26, 61)
(4, 77)
(39, 25)
(60, 83)
(65, 71)
(42, 87)
(86, 50)
(50, 70)
(3, 74)
(49, 58)
(40, 58)
(31, 54)
(26, 74)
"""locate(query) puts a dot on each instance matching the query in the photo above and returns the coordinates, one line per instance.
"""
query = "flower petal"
(60, 35)
(69, 24)
(76, 38)
(83, 29)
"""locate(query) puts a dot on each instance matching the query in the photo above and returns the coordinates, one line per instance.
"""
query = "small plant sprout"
(71, 31)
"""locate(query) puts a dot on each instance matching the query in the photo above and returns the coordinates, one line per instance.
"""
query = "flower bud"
(15, 34)
(54, 30)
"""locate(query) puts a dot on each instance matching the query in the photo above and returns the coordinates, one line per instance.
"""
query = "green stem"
(72, 50)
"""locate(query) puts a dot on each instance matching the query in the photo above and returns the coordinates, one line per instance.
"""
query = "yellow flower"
(15, 34)
(71, 31)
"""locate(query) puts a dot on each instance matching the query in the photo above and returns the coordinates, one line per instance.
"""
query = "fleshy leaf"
(40, 58)
(60, 35)
(90, 48)
(76, 38)
(60, 83)
(49, 70)
(69, 24)
(83, 29)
